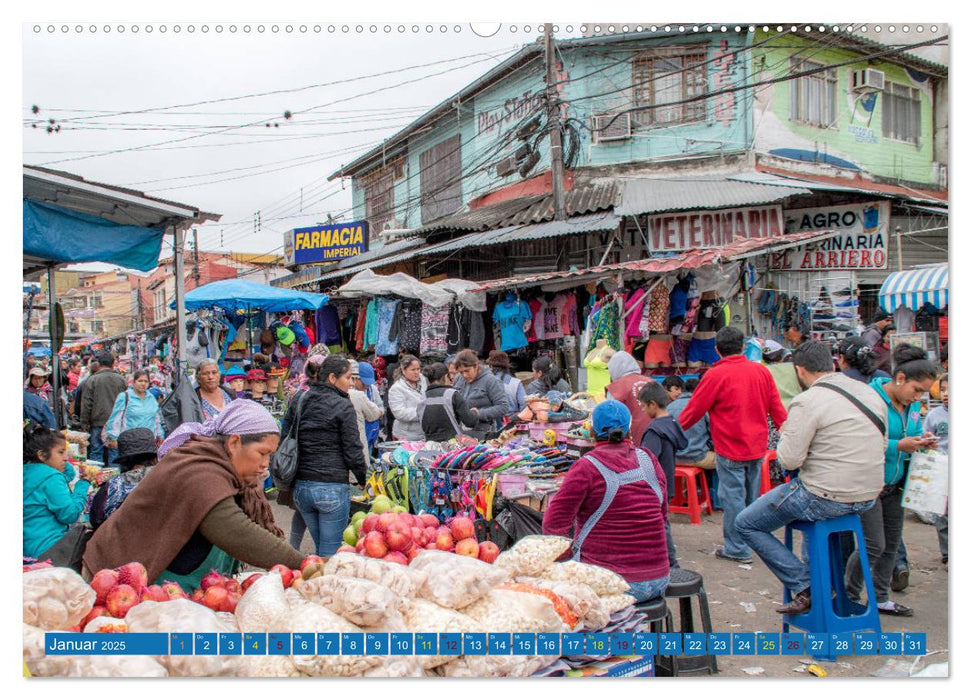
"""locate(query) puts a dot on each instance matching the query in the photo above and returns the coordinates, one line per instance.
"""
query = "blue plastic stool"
(832, 614)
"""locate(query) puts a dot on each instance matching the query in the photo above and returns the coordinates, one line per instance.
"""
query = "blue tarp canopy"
(242, 295)
(914, 288)
(65, 236)
(40, 351)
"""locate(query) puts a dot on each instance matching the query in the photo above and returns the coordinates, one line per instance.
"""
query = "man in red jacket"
(737, 394)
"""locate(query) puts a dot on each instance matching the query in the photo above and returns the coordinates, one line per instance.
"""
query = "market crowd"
(189, 491)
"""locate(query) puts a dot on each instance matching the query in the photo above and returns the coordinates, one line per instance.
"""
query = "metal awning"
(769, 175)
(914, 288)
(661, 265)
(642, 195)
(603, 221)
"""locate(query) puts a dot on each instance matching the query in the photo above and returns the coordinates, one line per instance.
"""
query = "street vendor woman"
(616, 496)
(202, 506)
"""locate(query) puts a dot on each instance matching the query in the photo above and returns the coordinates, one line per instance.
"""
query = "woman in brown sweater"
(202, 507)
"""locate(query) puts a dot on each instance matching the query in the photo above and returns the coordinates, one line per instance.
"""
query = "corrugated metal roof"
(582, 199)
(688, 260)
(649, 195)
(604, 221)
(766, 173)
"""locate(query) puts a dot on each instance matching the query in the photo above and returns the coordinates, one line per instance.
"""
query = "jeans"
(738, 487)
(901, 562)
(326, 509)
(942, 534)
(883, 526)
(782, 505)
(672, 550)
(97, 449)
(649, 590)
(298, 528)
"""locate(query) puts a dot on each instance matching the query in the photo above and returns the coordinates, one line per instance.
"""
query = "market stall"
(918, 300)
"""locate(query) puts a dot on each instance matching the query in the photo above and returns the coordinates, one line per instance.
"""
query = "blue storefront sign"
(327, 243)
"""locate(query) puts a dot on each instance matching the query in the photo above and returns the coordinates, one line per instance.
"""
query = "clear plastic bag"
(56, 598)
(617, 602)
(269, 666)
(495, 666)
(424, 616)
(36, 658)
(455, 581)
(116, 667)
(188, 618)
(397, 667)
(104, 621)
(310, 618)
(532, 554)
(358, 600)
(402, 580)
(583, 601)
(601, 580)
(263, 608)
(511, 611)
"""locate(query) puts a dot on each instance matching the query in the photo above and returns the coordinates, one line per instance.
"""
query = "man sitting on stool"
(833, 439)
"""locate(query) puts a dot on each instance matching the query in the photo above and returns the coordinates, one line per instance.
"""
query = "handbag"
(69, 550)
(283, 463)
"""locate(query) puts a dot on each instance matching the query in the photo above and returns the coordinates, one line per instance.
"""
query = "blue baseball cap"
(156, 392)
(366, 373)
(609, 416)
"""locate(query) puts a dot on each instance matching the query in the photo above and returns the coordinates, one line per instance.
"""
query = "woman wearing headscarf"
(547, 378)
(202, 507)
(626, 382)
(330, 450)
(615, 498)
(137, 454)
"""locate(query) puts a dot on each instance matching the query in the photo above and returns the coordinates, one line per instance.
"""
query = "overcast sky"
(221, 156)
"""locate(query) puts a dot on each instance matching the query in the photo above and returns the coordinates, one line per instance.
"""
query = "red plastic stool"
(685, 499)
(766, 469)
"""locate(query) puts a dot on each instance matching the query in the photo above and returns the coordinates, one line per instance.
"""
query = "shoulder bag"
(283, 463)
(880, 425)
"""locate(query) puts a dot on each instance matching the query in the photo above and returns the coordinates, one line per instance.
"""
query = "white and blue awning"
(914, 288)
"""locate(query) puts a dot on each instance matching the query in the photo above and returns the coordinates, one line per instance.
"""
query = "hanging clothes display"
(711, 315)
(536, 330)
(328, 325)
(691, 312)
(406, 326)
(659, 309)
(604, 323)
(371, 324)
(386, 344)
(634, 318)
(510, 317)
(434, 329)
(678, 299)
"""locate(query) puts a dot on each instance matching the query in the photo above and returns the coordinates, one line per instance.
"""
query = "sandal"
(897, 610)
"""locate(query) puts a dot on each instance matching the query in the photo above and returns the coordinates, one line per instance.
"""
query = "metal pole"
(900, 251)
(180, 299)
(556, 145)
(52, 322)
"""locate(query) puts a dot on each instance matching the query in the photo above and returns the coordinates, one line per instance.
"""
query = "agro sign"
(860, 245)
(677, 231)
(328, 243)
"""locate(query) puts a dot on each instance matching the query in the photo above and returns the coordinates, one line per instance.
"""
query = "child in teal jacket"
(50, 507)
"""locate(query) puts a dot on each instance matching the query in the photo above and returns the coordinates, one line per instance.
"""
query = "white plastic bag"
(617, 602)
(601, 580)
(105, 621)
(263, 608)
(926, 486)
(358, 600)
(56, 598)
(310, 618)
(455, 581)
(532, 554)
(583, 601)
(495, 666)
(116, 667)
(35, 655)
(403, 580)
(511, 611)
(424, 616)
(188, 618)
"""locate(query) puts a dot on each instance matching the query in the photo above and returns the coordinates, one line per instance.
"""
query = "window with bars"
(441, 179)
(662, 78)
(901, 113)
(379, 202)
(812, 98)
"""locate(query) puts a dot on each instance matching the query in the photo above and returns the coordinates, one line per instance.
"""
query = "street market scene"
(610, 350)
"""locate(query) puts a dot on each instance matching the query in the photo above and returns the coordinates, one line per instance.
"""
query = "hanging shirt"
(634, 320)
(385, 344)
(536, 307)
(371, 324)
(328, 325)
(659, 310)
(571, 325)
(434, 329)
(510, 317)
(679, 299)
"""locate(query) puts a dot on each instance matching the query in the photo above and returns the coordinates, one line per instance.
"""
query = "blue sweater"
(50, 507)
(899, 426)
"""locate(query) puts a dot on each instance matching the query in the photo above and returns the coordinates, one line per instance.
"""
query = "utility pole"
(195, 255)
(180, 353)
(556, 144)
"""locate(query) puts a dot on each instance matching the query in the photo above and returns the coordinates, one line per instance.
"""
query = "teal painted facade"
(598, 78)
(857, 134)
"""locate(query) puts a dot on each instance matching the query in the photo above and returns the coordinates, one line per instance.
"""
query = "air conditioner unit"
(507, 166)
(611, 127)
(868, 78)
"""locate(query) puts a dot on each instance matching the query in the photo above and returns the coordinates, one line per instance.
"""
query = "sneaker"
(896, 609)
(720, 553)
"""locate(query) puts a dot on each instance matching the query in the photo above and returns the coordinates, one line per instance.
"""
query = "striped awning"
(914, 288)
